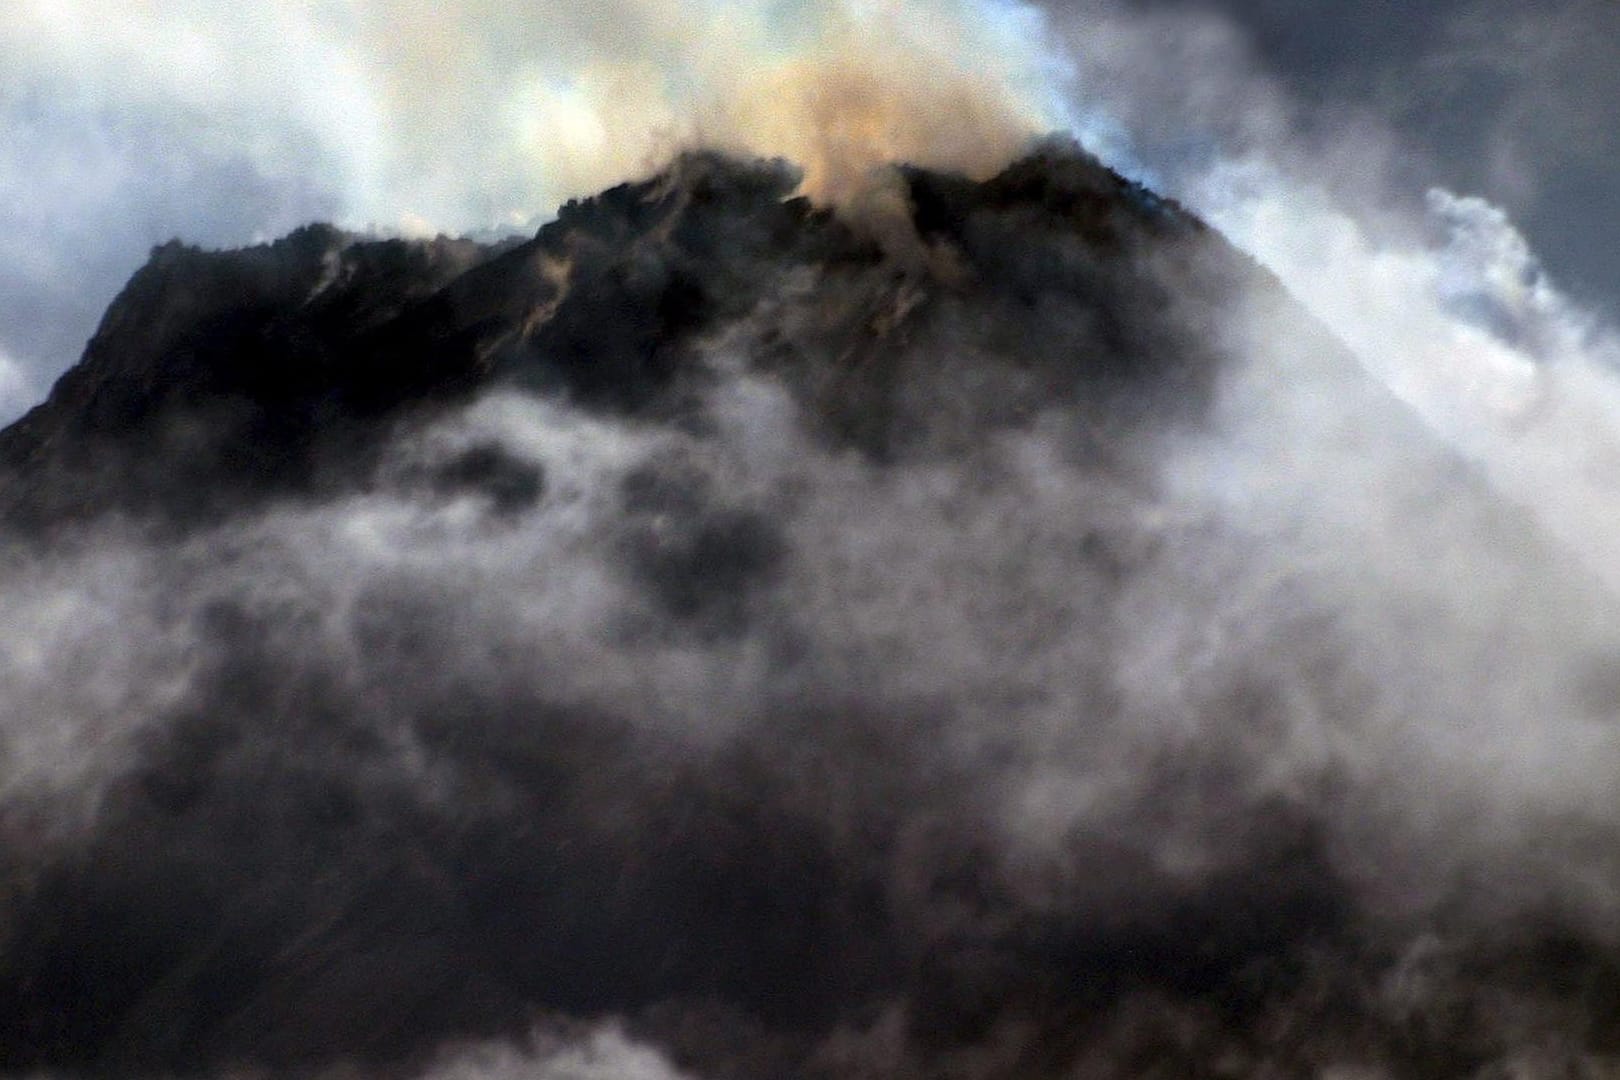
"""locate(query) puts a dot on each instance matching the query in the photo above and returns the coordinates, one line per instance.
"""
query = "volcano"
(987, 629)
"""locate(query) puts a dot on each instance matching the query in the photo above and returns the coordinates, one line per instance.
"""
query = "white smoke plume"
(490, 112)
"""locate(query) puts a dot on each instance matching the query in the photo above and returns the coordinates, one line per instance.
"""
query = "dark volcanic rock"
(989, 632)
(216, 377)
(220, 378)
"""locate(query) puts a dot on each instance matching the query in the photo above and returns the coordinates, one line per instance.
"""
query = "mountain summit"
(985, 631)
(218, 377)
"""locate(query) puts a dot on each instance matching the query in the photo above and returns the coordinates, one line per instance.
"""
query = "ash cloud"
(1034, 650)
(405, 103)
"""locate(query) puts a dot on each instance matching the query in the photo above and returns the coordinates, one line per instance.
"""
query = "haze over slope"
(989, 632)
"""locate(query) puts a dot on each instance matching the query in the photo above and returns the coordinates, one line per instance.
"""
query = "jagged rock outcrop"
(218, 378)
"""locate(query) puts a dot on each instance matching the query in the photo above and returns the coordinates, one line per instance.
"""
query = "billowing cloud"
(487, 111)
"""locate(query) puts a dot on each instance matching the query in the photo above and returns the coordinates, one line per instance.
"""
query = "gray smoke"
(993, 655)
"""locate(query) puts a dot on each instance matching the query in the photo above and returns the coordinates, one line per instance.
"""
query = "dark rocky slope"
(988, 633)
(217, 378)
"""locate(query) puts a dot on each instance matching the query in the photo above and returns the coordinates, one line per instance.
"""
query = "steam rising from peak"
(425, 115)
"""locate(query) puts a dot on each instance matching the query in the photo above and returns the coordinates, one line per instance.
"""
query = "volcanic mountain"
(984, 630)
